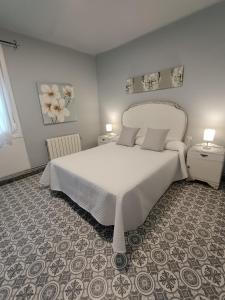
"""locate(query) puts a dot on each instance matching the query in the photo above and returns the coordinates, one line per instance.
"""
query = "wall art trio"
(168, 78)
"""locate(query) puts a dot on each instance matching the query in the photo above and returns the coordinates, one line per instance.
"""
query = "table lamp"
(108, 127)
(208, 136)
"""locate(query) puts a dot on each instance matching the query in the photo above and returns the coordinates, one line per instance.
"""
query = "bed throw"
(118, 185)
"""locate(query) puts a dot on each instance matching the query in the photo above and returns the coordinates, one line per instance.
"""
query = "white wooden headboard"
(159, 115)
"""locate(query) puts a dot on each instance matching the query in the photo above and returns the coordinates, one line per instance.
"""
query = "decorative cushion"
(155, 139)
(140, 136)
(127, 136)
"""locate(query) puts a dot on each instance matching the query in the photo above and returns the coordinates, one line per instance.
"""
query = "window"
(7, 122)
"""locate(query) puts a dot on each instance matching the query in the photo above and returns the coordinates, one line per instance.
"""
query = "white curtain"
(7, 123)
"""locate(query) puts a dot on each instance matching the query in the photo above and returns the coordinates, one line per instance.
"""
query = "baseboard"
(21, 175)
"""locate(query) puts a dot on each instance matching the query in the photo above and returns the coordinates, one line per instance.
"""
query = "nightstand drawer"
(206, 156)
(102, 139)
(107, 138)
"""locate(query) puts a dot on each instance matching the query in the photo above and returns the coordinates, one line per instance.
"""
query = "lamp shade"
(209, 135)
(108, 127)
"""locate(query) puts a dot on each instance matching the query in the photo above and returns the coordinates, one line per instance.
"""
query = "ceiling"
(93, 26)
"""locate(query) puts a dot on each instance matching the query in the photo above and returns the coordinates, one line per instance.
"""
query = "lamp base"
(111, 133)
(207, 146)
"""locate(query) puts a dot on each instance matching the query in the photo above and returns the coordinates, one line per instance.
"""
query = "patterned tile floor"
(52, 249)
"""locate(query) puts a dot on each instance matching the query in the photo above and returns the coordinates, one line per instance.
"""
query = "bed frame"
(127, 203)
(159, 115)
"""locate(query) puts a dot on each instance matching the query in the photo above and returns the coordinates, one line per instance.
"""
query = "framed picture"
(58, 104)
(164, 79)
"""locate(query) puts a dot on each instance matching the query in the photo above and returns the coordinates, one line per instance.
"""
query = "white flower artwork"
(164, 79)
(151, 81)
(58, 103)
(177, 76)
(130, 86)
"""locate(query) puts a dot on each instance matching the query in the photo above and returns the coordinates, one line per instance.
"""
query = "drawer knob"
(204, 155)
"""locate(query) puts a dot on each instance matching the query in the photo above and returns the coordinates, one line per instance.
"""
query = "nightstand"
(206, 164)
(107, 138)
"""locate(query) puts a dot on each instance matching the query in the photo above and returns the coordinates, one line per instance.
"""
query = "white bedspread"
(118, 185)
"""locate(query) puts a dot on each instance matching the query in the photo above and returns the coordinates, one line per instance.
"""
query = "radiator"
(63, 145)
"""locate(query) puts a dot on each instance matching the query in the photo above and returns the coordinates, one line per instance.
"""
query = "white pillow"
(176, 146)
(127, 136)
(155, 139)
(140, 136)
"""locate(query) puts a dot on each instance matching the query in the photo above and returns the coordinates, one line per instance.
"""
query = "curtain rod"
(13, 44)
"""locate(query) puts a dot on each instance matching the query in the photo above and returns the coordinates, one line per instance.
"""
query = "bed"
(119, 185)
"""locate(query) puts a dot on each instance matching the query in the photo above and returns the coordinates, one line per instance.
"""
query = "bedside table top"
(108, 136)
(103, 136)
(220, 150)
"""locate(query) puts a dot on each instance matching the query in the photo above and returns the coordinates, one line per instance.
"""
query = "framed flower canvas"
(164, 79)
(58, 103)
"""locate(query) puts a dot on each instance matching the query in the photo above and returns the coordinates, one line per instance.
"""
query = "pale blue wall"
(197, 42)
(40, 61)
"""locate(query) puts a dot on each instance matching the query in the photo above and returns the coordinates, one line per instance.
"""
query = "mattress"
(118, 185)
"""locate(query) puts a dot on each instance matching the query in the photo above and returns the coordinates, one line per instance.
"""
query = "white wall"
(13, 158)
(198, 43)
(37, 61)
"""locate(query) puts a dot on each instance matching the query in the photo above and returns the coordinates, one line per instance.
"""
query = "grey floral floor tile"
(52, 249)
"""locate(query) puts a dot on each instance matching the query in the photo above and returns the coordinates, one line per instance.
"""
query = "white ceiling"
(93, 26)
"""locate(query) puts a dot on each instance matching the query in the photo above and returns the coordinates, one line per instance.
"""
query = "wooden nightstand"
(107, 138)
(206, 164)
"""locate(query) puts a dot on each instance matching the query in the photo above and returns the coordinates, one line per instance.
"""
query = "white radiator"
(63, 145)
